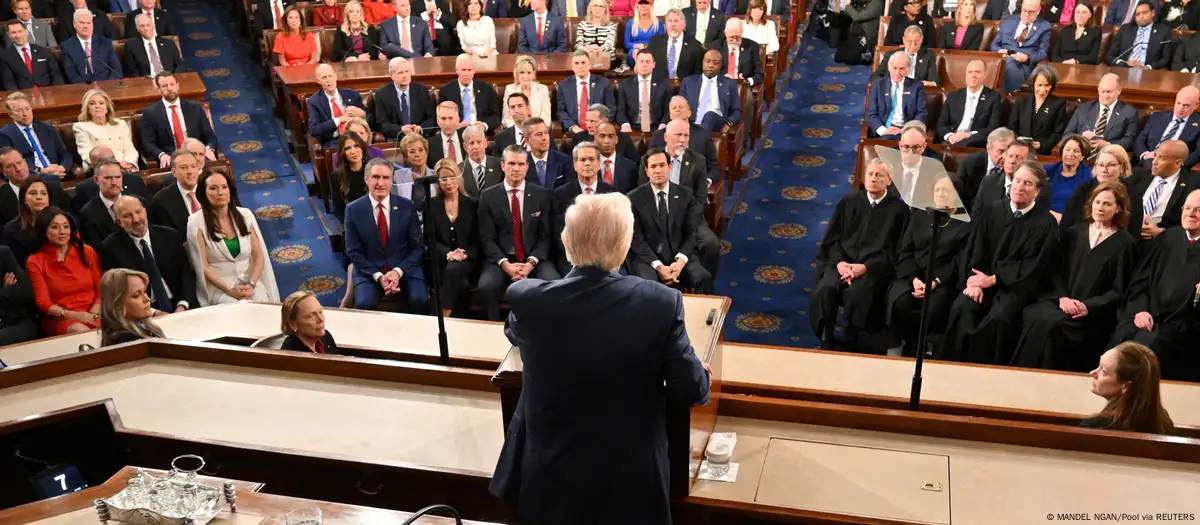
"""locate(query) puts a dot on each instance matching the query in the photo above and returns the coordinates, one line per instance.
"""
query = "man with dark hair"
(98, 218)
(548, 168)
(1141, 43)
(664, 234)
(518, 109)
(25, 64)
(166, 125)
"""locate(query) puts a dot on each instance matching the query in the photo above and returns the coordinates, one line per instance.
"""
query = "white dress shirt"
(183, 192)
(108, 207)
(1024, 211)
(336, 97)
(972, 103)
(1100, 112)
(36, 144)
(457, 146)
(521, 199)
(583, 188)
(1164, 197)
(667, 198)
(137, 243)
(182, 123)
(387, 217)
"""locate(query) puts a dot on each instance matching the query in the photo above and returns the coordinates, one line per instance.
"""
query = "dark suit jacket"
(137, 61)
(342, 44)
(492, 175)
(728, 96)
(363, 248)
(389, 38)
(624, 386)
(52, 144)
(157, 136)
(502, 140)
(14, 75)
(925, 69)
(991, 190)
(650, 242)
(692, 176)
(1158, 52)
(625, 146)
(65, 27)
(1186, 53)
(689, 61)
(554, 34)
(895, 31)
(1152, 132)
(700, 141)
(750, 63)
(387, 112)
(167, 209)
(1122, 124)
(16, 301)
(1046, 127)
(971, 171)
(998, 10)
(120, 251)
(437, 151)
(1085, 50)
(712, 34)
(320, 116)
(912, 100)
(987, 116)
(95, 224)
(972, 41)
(466, 229)
(483, 98)
(75, 65)
(1139, 182)
(86, 190)
(559, 170)
(264, 19)
(1115, 14)
(629, 99)
(495, 223)
(599, 92)
(162, 23)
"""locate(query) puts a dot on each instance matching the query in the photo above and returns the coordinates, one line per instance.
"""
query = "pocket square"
(536, 214)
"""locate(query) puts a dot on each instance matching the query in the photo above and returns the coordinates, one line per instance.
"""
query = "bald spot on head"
(1173, 150)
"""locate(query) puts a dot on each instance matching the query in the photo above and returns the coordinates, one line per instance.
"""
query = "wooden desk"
(62, 103)
(1156, 88)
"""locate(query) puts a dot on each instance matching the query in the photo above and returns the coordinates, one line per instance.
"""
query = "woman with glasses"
(455, 238)
(914, 15)
(1112, 165)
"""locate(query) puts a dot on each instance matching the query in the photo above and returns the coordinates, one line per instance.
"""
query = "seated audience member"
(1185, 56)
(970, 112)
(857, 260)
(1127, 378)
(496, 9)
(598, 114)
(541, 31)
(448, 142)
(616, 170)
(1025, 40)
(547, 167)
(1179, 15)
(442, 21)
(908, 292)
(174, 203)
(514, 231)
(476, 30)
(156, 250)
(1067, 174)
(973, 169)
(359, 128)
(675, 55)
(20, 233)
(383, 242)
(402, 106)
(537, 95)
(347, 183)
(330, 107)
(37, 29)
(717, 98)
(1003, 268)
(160, 128)
(125, 311)
(1162, 190)
(747, 62)
(913, 161)
(66, 20)
(98, 126)
(895, 99)
(198, 150)
(160, 20)
(146, 54)
(687, 169)
(700, 139)
(966, 34)
(1111, 165)
(131, 182)
(17, 321)
(640, 29)
(622, 8)
(98, 218)
(355, 39)
(596, 34)
(226, 247)
(1068, 327)
(853, 29)
(17, 173)
(914, 16)
(758, 28)
(39, 142)
(1181, 124)
(1040, 117)
(378, 11)
(65, 274)
(1107, 119)
(517, 107)
(416, 164)
(270, 15)
(586, 159)
(665, 222)
(455, 237)
(26, 64)
(329, 13)
(405, 35)
(294, 44)
(1078, 43)
(1122, 11)
(922, 62)
(576, 93)
(89, 57)
(304, 324)
(479, 170)
(644, 98)
(704, 24)
(1141, 44)
(996, 185)
(475, 98)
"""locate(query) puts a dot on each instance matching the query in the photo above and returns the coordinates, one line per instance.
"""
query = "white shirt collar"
(387, 201)
(107, 203)
(585, 79)
(975, 93)
(594, 186)
(1189, 236)
(1171, 181)
(656, 191)
(646, 78)
(183, 191)
(138, 240)
(508, 188)
(874, 201)
(1025, 210)
(545, 155)
(147, 41)
(611, 158)
(178, 102)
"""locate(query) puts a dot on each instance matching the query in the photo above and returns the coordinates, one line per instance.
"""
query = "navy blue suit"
(879, 108)
(157, 134)
(320, 115)
(591, 419)
(75, 64)
(554, 34)
(728, 96)
(625, 174)
(599, 92)
(1036, 46)
(52, 144)
(1115, 14)
(418, 33)
(1154, 129)
(559, 170)
(496, 9)
(404, 251)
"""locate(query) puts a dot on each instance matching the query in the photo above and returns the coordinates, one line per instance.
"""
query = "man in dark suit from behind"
(158, 251)
(17, 323)
(586, 158)
(666, 219)
(16, 72)
(172, 205)
(480, 170)
(139, 62)
(590, 422)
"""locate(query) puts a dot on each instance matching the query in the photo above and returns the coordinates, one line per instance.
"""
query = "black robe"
(1098, 278)
(1018, 252)
(857, 234)
(1077, 203)
(904, 310)
(1164, 284)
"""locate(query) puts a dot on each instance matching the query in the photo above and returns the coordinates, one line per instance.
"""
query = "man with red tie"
(24, 64)
(174, 203)
(383, 242)
(269, 14)
(542, 31)
(331, 106)
(167, 124)
(586, 158)
(741, 58)
(579, 91)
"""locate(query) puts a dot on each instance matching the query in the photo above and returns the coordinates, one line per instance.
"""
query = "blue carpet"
(799, 172)
(269, 181)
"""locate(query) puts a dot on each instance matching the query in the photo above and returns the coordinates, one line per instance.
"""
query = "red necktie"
(732, 70)
(278, 15)
(583, 105)
(337, 112)
(381, 222)
(195, 203)
(451, 151)
(28, 61)
(177, 126)
(320, 347)
(1024, 34)
(587, 191)
(539, 29)
(432, 30)
(518, 233)
(608, 171)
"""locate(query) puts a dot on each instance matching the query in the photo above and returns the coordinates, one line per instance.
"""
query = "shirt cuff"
(655, 264)
(501, 262)
(880, 130)
(184, 304)
(377, 276)
(532, 260)
(946, 137)
(399, 272)
(682, 256)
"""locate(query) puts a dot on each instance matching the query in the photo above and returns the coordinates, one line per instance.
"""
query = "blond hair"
(287, 311)
(524, 60)
(110, 118)
(114, 289)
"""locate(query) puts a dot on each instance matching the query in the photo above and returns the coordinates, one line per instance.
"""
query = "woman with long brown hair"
(1128, 377)
(65, 274)
(20, 234)
(125, 311)
(295, 45)
(226, 247)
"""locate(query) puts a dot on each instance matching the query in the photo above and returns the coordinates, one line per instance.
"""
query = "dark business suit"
(655, 241)
(694, 176)
(342, 44)
(564, 197)
(750, 63)
(132, 184)
(559, 170)
(699, 141)
(554, 34)
(162, 23)
(986, 118)
(895, 32)
(625, 174)
(625, 146)
(1000, 9)
(403, 251)
(599, 92)
(448, 236)
(483, 97)
(76, 67)
(504, 139)
(157, 134)
(1186, 54)
(264, 18)
(912, 100)
(1085, 49)
(629, 98)
(728, 97)
(320, 115)
(991, 190)
(924, 70)
(1122, 124)
(496, 239)
(167, 209)
(972, 41)
(47, 136)
(447, 37)
(95, 225)
(689, 57)
(170, 256)
(137, 61)
(1139, 182)
(418, 33)
(14, 75)
(390, 116)
(437, 150)
(624, 380)
(101, 26)
(492, 175)
(1045, 126)
(1156, 126)
(713, 33)
(17, 323)
(1158, 51)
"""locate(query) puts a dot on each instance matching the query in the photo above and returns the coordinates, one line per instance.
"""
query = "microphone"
(1118, 58)
(120, 76)
(348, 51)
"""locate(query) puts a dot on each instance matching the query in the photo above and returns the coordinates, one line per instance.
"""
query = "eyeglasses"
(910, 148)
(1107, 165)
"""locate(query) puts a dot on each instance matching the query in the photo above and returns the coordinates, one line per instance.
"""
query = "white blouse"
(232, 270)
(539, 102)
(477, 36)
(764, 34)
(116, 136)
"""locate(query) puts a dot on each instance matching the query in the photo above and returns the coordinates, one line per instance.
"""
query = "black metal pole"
(435, 269)
(914, 400)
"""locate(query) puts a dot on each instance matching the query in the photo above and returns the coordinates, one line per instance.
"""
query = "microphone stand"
(435, 268)
(936, 218)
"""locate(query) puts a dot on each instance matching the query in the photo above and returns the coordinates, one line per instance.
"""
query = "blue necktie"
(671, 60)
(541, 167)
(404, 109)
(467, 105)
(157, 289)
(37, 149)
(896, 105)
(1175, 123)
(705, 97)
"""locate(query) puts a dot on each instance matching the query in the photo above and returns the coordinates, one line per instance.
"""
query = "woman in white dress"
(227, 249)
(525, 75)
(98, 126)
(758, 28)
(476, 31)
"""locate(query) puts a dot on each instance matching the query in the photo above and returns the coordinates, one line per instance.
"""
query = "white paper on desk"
(729, 477)
(729, 438)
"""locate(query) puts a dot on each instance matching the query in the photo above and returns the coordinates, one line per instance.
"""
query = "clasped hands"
(243, 291)
(457, 255)
(848, 272)
(919, 288)
(516, 271)
(669, 273)
(1075, 309)
(1019, 57)
(390, 281)
(977, 283)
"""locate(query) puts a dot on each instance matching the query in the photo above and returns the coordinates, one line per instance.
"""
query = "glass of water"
(304, 516)
(718, 455)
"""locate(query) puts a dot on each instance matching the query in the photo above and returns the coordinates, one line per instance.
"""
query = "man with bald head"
(330, 107)
(156, 250)
(1106, 120)
(716, 97)
(746, 56)
(1157, 194)
(895, 100)
(699, 139)
(1025, 40)
(197, 148)
(1180, 124)
(132, 183)
(146, 53)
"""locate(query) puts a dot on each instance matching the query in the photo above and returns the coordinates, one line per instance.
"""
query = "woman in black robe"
(1068, 328)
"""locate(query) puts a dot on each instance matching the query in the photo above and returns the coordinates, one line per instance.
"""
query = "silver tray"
(177, 499)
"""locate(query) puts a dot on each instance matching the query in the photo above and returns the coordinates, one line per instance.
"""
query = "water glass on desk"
(304, 516)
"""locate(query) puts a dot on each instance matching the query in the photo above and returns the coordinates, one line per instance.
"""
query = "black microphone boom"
(1131, 48)
(120, 76)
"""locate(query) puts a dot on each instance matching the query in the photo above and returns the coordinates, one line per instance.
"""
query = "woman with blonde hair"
(597, 34)
(1112, 165)
(98, 126)
(1128, 377)
(356, 39)
(966, 34)
(455, 237)
(640, 29)
(476, 30)
(125, 312)
(525, 82)
(303, 321)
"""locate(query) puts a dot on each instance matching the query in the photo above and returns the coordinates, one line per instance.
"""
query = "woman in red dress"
(294, 45)
(65, 274)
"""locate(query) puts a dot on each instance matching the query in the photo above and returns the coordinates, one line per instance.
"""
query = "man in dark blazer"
(701, 91)
(687, 169)
(585, 158)
(664, 241)
(17, 312)
(401, 106)
(1180, 124)
(1165, 185)
(972, 111)
(1185, 56)
(882, 121)
(974, 167)
(323, 124)
(688, 53)
(714, 29)
(268, 11)
(387, 256)
(1118, 120)
(998, 9)
(172, 205)
(41, 70)
(16, 171)
(480, 170)
(158, 251)
(66, 20)
(87, 189)
(79, 66)
(138, 61)
(518, 109)
(615, 169)
(1121, 12)
(445, 37)
(995, 187)
(391, 39)
(578, 362)
(1129, 50)
(922, 65)
(747, 54)
(98, 219)
(509, 257)
(159, 138)
(570, 96)
(547, 167)
(542, 31)
(447, 143)
(482, 109)
(700, 140)
(597, 114)
(160, 20)
(645, 91)
(39, 142)
(1024, 39)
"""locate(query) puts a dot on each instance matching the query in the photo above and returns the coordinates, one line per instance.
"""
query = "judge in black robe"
(1010, 250)
(858, 257)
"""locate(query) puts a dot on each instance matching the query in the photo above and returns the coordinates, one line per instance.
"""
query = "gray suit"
(39, 33)
(491, 176)
(1122, 125)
